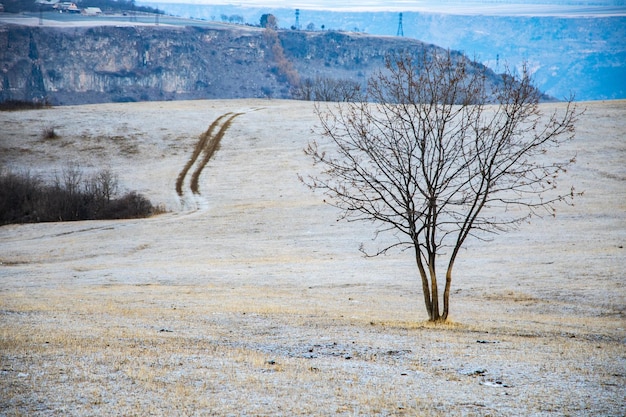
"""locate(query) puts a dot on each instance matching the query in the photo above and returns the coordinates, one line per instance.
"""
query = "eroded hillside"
(83, 64)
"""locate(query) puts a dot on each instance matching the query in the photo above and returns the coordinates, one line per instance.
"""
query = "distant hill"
(116, 63)
(580, 51)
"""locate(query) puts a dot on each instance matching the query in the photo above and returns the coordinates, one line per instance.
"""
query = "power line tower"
(400, 30)
(297, 26)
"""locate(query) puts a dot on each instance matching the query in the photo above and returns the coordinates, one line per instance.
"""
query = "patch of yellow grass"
(136, 349)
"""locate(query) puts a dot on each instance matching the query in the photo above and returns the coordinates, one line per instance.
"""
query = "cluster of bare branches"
(435, 155)
(26, 198)
(327, 89)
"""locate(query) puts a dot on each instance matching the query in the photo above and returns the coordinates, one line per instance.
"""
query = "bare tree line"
(26, 198)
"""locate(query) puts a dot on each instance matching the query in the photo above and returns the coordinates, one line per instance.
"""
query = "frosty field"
(248, 297)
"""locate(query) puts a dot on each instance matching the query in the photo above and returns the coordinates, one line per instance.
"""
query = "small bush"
(25, 198)
(130, 206)
(49, 133)
(20, 197)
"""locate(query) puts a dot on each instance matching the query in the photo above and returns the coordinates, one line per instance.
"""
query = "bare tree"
(438, 153)
(70, 179)
(103, 185)
(269, 21)
(327, 89)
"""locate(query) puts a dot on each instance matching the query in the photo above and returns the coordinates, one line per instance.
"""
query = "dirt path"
(208, 143)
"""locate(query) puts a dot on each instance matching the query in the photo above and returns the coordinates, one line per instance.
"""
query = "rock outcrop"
(79, 65)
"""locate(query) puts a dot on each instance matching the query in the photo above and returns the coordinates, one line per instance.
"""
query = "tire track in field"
(208, 143)
(204, 138)
(211, 146)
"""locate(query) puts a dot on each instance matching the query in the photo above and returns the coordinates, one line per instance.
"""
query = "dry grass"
(177, 350)
(254, 301)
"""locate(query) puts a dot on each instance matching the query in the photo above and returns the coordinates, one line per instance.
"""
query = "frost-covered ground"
(250, 299)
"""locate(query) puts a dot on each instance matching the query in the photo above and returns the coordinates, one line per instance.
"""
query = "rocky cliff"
(78, 65)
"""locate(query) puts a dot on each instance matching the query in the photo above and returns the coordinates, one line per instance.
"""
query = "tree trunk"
(425, 287)
(434, 291)
(446, 294)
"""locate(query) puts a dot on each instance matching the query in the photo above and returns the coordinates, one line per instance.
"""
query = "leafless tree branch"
(439, 151)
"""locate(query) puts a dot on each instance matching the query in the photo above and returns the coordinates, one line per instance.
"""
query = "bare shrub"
(129, 206)
(49, 133)
(20, 197)
(327, 89)
(24, 198)
(102, 187)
